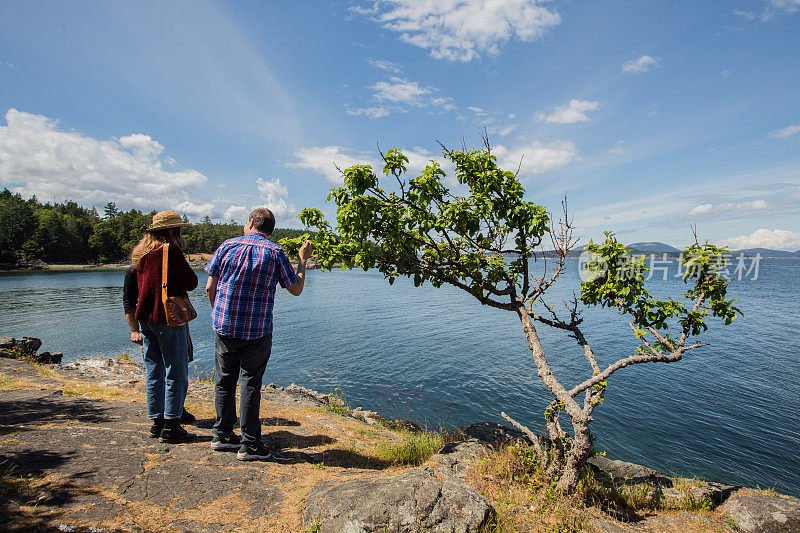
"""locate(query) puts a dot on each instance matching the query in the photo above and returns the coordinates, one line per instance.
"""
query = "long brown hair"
(154, 239)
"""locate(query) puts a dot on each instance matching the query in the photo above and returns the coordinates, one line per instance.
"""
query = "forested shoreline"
(32, 232)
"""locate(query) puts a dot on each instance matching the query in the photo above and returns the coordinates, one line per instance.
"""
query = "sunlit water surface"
(727, 412)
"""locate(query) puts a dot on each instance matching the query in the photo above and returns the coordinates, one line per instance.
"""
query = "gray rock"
(370, 417)
(403, 425)
(716, 493)
(26, 345)
(412, 501)
(628, 473)
(48, 358)
(29, 344)
(763, 513)
(303, 393)
(455, 458)
(492, 433)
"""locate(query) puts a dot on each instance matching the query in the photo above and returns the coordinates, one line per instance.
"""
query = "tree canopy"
(69, 233)
(483, 242)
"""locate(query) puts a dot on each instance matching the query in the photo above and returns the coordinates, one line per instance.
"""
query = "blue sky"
(651, 116)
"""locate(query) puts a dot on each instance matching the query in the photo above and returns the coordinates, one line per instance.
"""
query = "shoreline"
(196, 264)
(332, 470)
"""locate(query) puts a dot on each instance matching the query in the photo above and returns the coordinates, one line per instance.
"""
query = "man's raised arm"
(303, 254)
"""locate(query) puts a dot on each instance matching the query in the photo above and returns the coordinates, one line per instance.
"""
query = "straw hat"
(167, 219)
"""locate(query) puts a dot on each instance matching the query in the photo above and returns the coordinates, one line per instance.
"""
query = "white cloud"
(502, 131)
(7, 65)
(701, 209)
(237, 213)
(461, 30)
(619, 148)
(640, 64)
(756, 204)
(396, 94)
(537, 157)
(708, 209)
(38, 158)
(194, 210)
(323, 160)
(400, 91)
(371, 112)
(776, 239)
(571, 113)
(747, 15)
(726, 74)
(388, 66)
(788, 131)
(275, 197)
(780, 7)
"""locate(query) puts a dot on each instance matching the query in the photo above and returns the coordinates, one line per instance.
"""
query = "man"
(242, 277)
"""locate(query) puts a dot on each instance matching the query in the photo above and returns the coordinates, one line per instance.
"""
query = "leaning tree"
(484, 243)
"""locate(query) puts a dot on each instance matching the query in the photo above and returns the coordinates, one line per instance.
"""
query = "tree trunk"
(578, 454)
(581, 445)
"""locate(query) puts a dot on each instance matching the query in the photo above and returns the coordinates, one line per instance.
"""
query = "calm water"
(727, 412)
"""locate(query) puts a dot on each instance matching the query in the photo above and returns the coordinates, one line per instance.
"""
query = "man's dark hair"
(263, 220)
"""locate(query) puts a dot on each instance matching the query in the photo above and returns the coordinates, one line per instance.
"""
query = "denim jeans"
(236, 360)
(166, 361)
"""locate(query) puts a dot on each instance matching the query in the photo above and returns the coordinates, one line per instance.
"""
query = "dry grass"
(523, 496)
(91, 390)
(10, 383)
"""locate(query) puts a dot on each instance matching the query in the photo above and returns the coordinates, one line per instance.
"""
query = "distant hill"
(766, 252)
(651, 247)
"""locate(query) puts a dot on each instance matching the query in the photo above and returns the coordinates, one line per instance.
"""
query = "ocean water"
(727, 412)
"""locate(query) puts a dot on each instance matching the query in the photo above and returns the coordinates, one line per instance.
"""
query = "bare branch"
(528, 433)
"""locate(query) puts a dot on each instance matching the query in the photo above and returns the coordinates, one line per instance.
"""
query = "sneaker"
(187, 417)
(173, 433)
(224, 443)
(254, 452)
(156, 427)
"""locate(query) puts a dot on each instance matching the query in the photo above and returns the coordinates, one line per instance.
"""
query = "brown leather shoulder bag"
(178, 309)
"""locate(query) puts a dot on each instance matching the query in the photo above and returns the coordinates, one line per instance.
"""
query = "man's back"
(248, 269)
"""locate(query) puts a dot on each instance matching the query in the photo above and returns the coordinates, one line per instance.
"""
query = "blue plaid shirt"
(248, 269)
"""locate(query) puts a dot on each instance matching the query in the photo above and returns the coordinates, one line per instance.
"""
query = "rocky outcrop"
(763, 513)
(628, 473)
(434, 498)
(26, 348)
(495, 434)
(412, 501)
(455, 458)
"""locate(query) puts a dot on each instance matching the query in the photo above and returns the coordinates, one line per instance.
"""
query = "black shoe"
(187, 417)
(224, 443)
(173, 433)
(254, 452)
(158, 425)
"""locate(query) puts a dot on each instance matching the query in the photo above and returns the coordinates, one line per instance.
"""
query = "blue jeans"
(166, 361)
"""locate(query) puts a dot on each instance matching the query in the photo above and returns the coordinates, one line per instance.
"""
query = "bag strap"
(164, 270)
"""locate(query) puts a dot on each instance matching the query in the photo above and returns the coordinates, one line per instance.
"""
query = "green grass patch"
(413, 449)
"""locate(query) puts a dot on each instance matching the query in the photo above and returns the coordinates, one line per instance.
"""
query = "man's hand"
(302, 254)
(305, 251)
(136, 337)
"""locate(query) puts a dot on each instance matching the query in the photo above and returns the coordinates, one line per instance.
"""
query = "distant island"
(660, 248)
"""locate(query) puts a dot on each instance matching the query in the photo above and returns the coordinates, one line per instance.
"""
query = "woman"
(166, 357)
(130, 296)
